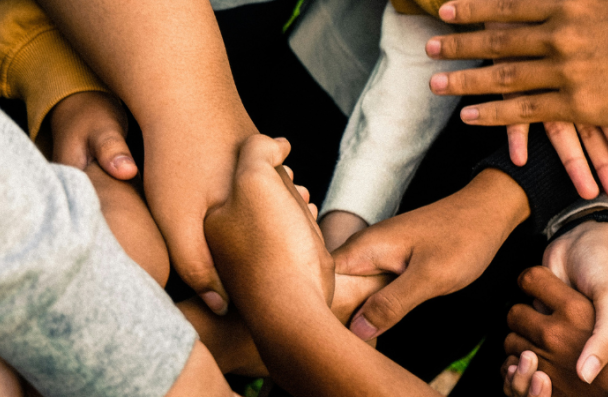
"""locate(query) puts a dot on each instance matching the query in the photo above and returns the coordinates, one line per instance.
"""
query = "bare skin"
(166, 61)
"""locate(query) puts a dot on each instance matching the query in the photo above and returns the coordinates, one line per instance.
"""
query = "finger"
(262, 152)
(193, 262)
(596, 144)
(523, 109)
(313, 210)
(540, 386)
(508, 384)
(595, 353)
(564, 139)
(113, 155)
(511, 361)
(524, 41)
(518, 143)
(500, 78)
(527, 322)
(304, 193)
(386, 307)
(479, 11)
(528, 363)
(289, 171)
(515, 345)
(542, 284)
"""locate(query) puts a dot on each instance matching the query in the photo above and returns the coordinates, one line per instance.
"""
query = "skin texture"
(557, 337)
(306, 348)
(338, 226)
(555, 55)
(432, 258)
(580, 259)
(522, 378)
(195, 114)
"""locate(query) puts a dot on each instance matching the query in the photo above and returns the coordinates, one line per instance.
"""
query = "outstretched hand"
(556, 54)
(91, 126)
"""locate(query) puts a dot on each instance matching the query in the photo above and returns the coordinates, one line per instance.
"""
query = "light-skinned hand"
(338, 226)
(522, 378)
(557, 58)
(557, 334)
(580, 259)
(91, 126)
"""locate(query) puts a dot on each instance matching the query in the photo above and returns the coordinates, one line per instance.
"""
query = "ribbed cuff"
(543, 178)
(45, 71)
(365, 189)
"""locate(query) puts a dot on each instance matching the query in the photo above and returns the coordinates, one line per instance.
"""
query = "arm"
(283, 284)
(70, 290)
(393, 124)
(41, 68)
(556, 336)
(167, 62)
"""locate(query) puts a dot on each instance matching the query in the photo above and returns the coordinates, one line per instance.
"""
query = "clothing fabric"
(543, 178)
(37, 65)
(394, 122)
(77, 316)
(572, 211)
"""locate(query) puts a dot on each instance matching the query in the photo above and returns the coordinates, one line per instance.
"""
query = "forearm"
(309, 352)
(166, 60)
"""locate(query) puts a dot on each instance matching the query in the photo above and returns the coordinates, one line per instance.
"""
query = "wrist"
(499, 198)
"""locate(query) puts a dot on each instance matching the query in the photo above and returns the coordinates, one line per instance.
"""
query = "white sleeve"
(395, 120)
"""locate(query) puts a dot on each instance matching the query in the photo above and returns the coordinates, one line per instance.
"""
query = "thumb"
(595, 353)
(388, 306)
(113, 155)
(194, 264)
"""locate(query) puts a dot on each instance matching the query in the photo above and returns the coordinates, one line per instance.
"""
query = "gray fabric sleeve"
(77, 316)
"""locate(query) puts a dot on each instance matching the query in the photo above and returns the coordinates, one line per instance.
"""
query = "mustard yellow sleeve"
(37, 64)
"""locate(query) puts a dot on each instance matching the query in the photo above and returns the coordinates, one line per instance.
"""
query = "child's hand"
(580, 258)
(264, 240)
(92, 126)
(556, 338)
(522, 378)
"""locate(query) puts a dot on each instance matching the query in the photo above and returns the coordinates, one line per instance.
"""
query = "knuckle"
(550, 337)
(528, 107)
(386, 308)
(531, 276)
(496, 42)
(506, 7)
(505, 75)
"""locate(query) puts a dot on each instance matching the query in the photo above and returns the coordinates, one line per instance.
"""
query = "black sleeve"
(543, 178)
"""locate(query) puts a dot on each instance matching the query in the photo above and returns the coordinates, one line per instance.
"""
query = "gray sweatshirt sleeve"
(77, 316)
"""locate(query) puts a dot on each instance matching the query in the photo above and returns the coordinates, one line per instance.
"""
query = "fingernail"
(122, 160)
(215, 302)
(469, 114)
(433, 47)
(537, 386)
(591, 368)
(511, 372)
(447, 12)
(362, 328)
(439, 82)
(525, 362)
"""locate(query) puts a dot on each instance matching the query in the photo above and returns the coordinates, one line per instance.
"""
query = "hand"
(580, 258)
(338, 226)
(522, 379)
(265, 232)
(565, 67)
(556, 338)
(91, 126)
(435, 250)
